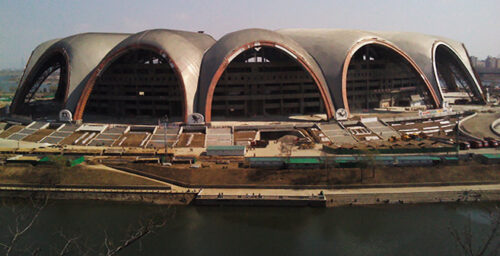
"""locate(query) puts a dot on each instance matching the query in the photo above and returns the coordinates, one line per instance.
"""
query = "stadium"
(252, 74)
(103, 86)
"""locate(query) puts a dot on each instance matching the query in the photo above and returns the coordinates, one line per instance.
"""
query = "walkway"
(353, 191)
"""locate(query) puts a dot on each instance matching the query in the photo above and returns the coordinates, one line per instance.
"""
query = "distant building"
(473, 61)
(491, 62)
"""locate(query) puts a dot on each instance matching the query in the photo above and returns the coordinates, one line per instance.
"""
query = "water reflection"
(388, 230)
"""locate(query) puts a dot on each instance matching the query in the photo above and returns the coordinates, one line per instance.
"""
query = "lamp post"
(457, 137)
(164, 123)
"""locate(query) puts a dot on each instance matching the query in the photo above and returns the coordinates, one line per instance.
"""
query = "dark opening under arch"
(44, 92)
(140, 84)
(379, 77)
(456, 83)
(265, 83)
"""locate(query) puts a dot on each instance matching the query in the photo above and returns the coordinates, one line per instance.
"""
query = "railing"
(494, 128)
(86, 189)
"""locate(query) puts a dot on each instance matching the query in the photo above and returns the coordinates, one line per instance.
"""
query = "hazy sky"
(25, 24)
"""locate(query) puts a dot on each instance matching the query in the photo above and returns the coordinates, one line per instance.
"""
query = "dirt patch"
(38, 135)
(11, 130)
(244, 135)
(467, 172)
(228, 175)
(70, 139)
(78, 175)
(132, 139)
(193, 140)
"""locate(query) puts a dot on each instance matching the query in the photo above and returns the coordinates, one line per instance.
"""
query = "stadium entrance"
(379, 77)
(139, 84)
(265, 83)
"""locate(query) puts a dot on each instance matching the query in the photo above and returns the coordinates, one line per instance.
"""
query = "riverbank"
(87, 182)
(414, 195)
(149, 195)
(234, 177)
(262, 197)
(358, 196)
(99, 182)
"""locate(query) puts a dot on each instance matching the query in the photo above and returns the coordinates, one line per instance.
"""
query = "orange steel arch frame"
(103, 65)
(47, 55)
(215, 79)
(364, 42)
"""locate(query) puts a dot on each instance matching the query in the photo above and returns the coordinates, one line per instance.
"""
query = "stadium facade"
(251, 74)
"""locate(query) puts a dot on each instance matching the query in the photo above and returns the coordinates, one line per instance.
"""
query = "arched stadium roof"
(331, 47)
(229, 46)
(184, 50)
(82, 53)
(199, 60)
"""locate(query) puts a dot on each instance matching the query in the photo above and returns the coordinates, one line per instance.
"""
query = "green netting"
(77, 161)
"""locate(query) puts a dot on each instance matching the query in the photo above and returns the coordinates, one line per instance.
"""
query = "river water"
(374, 230)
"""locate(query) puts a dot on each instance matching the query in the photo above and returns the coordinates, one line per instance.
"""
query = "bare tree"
(69, 243)
(25, 216)
(367, 160)
(465, 237)
(145, 227)
(286, 145)
(75, 245)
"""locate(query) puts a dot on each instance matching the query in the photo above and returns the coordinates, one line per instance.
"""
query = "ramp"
(28, 130)
(65, 130)
(158, 138)
(108, 136)
(219, 136)
(336, 134)
(381, 129)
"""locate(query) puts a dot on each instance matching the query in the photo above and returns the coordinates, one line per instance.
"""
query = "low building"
(489, 158)
(303, 163)
(265, 162)
(235, 150)
(449, 160)
(416, 160)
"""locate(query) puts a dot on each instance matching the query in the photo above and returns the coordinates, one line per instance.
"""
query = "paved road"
(480, 125)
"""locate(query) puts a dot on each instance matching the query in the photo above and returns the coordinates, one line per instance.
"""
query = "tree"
(145, 227)
(286, 145)
(24, 217)
(326, 160)
(489, 246)
(25, 213)
(367, 160)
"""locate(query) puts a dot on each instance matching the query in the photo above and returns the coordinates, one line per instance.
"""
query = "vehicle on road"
(492, 143)
(464, 145)
(475, 144)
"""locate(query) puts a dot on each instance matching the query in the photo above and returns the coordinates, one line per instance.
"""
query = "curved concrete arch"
(82, 53)
(183, 50)
(230, 46)
(394, 48)
(29, 76)
(471, 76)
(472, 70)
